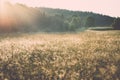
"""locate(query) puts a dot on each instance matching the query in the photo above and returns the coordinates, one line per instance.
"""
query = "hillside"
(20, 18)
(105, 19)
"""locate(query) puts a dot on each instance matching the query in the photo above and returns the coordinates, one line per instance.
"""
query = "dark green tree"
(90, 22)
(116, 23)
(74, 23)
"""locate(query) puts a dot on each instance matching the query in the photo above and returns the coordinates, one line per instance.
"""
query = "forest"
(40, 19)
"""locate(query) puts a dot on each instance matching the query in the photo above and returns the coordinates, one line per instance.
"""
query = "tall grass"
(88, 55)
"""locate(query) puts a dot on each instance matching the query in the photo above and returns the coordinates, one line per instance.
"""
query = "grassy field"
(89, 55)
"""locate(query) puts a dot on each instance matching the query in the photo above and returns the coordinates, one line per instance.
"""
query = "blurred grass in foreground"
(90, 55)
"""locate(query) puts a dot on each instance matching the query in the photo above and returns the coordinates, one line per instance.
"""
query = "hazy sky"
(107, 7)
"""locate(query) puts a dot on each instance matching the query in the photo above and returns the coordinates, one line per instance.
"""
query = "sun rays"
(13, 15)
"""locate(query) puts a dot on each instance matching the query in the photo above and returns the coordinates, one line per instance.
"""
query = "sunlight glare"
(5, 14)
(3, 10)
(12, 15)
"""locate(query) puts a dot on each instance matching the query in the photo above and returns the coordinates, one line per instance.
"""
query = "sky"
(106, 7)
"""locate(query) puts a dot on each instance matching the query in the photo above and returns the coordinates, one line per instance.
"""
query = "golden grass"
(90, 55)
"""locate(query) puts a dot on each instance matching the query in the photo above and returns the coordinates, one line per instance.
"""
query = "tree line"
(28, 19)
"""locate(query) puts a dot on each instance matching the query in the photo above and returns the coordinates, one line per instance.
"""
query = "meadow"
(89, 55)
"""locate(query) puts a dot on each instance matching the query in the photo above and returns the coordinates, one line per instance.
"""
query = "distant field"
(89, 55)
(101, 28)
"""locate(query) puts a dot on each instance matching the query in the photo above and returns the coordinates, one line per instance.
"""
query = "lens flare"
(5, 19)
(14, 16)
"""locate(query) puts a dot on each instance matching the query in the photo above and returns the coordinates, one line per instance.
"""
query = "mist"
(21, 18)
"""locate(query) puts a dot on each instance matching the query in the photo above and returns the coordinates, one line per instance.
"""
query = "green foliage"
(90, 22)
(116, 23)
(74, 23)
(27, 19)
(72, 27)
(100, 20)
